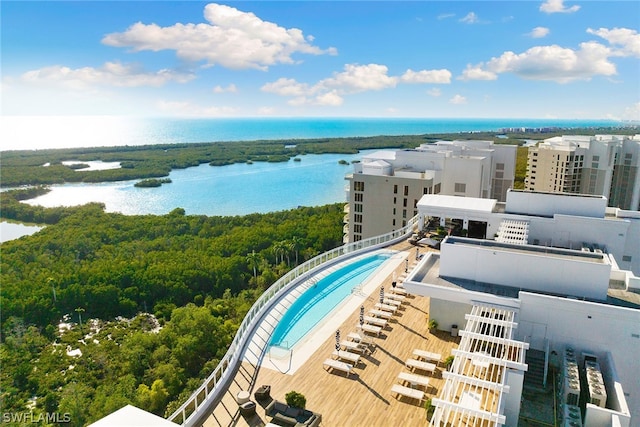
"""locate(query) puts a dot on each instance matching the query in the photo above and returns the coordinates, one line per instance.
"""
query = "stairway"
(534, 377)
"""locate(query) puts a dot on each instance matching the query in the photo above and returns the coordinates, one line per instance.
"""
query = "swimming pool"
(318, 301)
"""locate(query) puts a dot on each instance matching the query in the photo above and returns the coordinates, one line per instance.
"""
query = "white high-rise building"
(385, 187)
(607, 165)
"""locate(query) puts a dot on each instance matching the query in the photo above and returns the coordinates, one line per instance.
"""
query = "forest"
(151, 302)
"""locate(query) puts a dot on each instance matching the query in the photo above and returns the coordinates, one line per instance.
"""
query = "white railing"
(188, 413)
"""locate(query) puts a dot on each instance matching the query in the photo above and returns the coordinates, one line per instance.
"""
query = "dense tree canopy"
(196, 275)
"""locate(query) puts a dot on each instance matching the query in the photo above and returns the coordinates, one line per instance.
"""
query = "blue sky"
(484, 59)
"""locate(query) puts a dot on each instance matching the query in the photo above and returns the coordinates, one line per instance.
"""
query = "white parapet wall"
(555, 271)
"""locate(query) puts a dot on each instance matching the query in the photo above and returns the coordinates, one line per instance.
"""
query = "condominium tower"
(606, 165)
(385, 187)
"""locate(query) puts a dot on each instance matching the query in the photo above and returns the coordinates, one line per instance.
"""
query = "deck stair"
(534, 376)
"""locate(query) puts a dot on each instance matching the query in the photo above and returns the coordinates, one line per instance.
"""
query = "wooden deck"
(364, 398)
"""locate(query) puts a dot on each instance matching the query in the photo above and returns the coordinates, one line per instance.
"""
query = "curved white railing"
(191, 410)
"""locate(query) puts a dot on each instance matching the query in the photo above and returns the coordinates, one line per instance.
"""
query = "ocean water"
(37, 132)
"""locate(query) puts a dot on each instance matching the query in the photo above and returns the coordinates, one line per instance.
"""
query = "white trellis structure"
(474, 390)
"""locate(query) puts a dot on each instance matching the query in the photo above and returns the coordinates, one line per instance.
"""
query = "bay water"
(238, 189)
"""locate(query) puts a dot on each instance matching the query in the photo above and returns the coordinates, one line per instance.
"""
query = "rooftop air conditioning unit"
(572, 416)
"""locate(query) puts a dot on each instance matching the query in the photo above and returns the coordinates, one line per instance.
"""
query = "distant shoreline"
(25, 167)
(66, 132)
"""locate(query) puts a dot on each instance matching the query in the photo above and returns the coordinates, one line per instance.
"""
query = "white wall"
(448, 313)
(548, 204)
(538, 271)
(514, 379)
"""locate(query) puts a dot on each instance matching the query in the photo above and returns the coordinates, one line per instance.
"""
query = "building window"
(404, 213)
(357, 207)
(426, 190)
(358, 197)
(460, 187)
(394, 222)
(395, 189)
(404, 203)
(357, 218)
(358, 186)
(394, 211)
(357, 228)
(500, 166)
(436, 189)
(500, 175)
(406, 190)
(415, 203)
(395, 200)
(626, 258)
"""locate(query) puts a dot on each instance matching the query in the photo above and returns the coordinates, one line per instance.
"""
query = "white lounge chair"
(423, 354)
(336, 364)
(381, 313)
(398, 290)
(375, 321)
(353, 346)
(346, 355)
(386, 307)
(372, 329)
(419, 364)
(361, 339)
(406, 391)
(391, 302)
(414, 379)
(395, 297)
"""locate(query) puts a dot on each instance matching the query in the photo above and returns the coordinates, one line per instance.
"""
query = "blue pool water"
(316, 303)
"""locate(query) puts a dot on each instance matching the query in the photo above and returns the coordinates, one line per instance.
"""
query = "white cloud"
(470, 18)
(359, 78)
(539, 32)
(330, 98)
(446, 16)
(548, 63)
(434, 92)
(458, 100)
(477, 73)
(286, 87)
(625, 40)
(231, 88)
(110, 74)
(185, 108)
(632, 113)
(231, 38)
(427, 76)
(353, 79)
(557, 6)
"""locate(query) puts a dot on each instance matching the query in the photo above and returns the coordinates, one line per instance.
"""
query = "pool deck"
(363, 398)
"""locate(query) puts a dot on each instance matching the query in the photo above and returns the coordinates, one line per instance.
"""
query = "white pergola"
(474, 387)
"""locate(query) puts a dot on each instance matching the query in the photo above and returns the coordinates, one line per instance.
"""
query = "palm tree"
(254, 261)
(279, 249)
(296, 244)
(288, 248)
